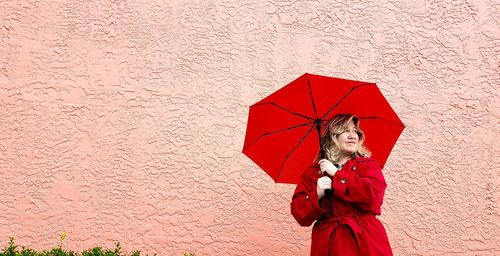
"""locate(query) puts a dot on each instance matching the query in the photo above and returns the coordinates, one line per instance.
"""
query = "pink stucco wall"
(124, 120)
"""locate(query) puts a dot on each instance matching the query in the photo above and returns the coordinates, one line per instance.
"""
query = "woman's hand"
(324, 183)
(328, 167)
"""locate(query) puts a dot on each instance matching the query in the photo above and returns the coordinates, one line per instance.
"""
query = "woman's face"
(348, 140)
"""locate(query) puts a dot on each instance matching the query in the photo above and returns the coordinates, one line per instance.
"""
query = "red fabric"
(345, 222)
(282, 136)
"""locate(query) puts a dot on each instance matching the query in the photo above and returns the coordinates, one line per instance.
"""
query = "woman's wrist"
(321, 193)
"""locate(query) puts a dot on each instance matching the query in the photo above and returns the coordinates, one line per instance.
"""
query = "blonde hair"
(336, 126)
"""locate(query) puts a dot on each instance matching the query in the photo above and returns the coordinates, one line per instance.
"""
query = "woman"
(342, 193)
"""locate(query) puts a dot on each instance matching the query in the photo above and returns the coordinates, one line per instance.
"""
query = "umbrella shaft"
(318, 128)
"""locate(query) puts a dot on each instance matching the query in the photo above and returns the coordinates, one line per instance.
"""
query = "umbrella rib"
(278, 106)
(273, 132)
(352, 89)
(289, 154)
(376, 117)
(312, 99)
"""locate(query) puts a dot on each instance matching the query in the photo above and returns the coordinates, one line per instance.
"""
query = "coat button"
(319, 172)
(343, 181)
(354, 168)
(307, 197)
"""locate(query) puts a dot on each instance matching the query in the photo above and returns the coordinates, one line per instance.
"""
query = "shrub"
(12, 250)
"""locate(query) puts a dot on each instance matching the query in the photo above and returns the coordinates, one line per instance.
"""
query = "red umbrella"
(283, 129)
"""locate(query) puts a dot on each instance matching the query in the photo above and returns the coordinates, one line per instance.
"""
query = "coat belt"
(330, 223)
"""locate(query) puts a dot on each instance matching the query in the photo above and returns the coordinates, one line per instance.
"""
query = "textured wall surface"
(125, 120)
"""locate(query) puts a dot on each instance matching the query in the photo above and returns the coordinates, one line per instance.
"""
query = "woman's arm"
(364, 186)
(305, 203)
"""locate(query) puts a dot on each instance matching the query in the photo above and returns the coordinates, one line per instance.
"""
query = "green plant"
(12, 250)
(62, 237)
(28, 252)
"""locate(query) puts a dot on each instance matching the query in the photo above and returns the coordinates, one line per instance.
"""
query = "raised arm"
(364, 185)
(305, 203)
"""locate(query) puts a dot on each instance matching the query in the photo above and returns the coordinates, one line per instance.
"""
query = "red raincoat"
(345, 216)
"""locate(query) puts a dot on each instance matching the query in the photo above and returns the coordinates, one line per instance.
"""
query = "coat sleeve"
(305, 204)
(365, 187)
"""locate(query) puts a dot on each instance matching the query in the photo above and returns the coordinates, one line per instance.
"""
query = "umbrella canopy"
(283, 129)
